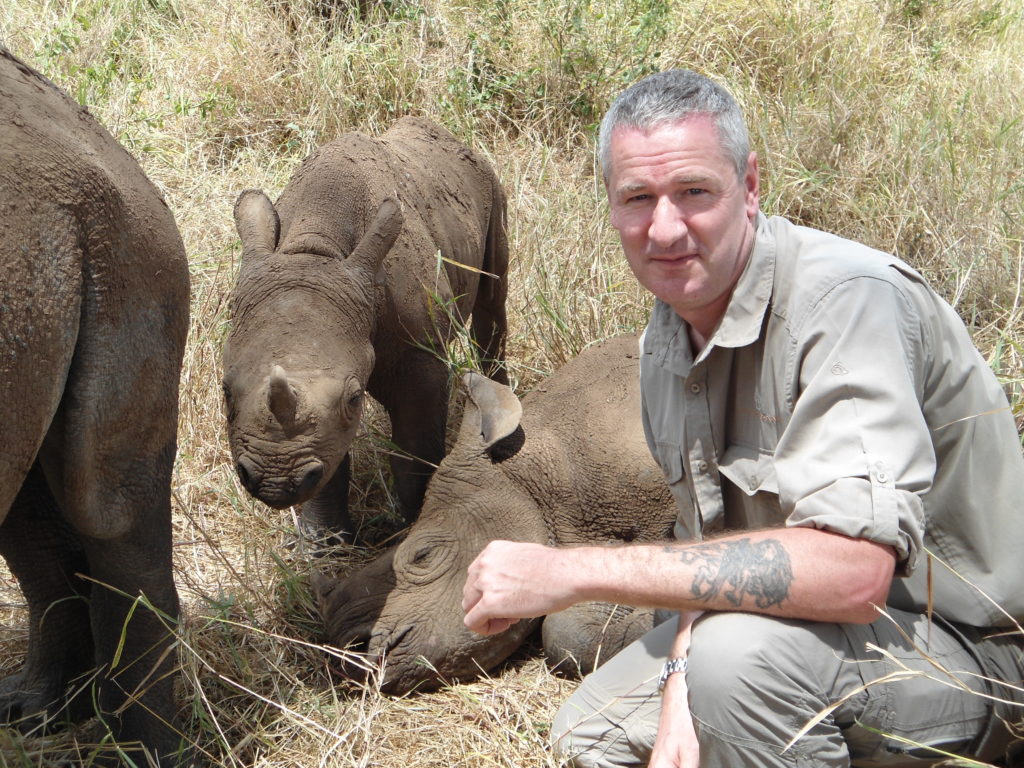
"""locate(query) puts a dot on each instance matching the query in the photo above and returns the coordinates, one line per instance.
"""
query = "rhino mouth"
(371, 652)
(280, 491)
(412, 658)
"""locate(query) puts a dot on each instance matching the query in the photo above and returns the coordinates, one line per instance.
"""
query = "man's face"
(686, 221)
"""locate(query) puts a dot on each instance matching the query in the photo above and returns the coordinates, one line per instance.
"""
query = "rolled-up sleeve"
(856, 455)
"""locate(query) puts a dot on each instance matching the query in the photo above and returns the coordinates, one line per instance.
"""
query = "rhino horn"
(281, 396)
(377, 241)
(257, 222)
(500, 409)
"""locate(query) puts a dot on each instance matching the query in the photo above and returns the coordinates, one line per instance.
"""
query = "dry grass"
(897, 122)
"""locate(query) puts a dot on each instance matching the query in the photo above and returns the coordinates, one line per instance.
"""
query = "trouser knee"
(744, 668)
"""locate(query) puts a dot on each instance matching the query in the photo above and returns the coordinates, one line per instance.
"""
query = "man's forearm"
(792, 572)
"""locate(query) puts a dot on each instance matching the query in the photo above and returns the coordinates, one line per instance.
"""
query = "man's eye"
(695, 191)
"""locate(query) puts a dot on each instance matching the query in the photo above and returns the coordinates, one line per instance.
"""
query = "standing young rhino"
(351, 284)
(569, 466)
(93, 318)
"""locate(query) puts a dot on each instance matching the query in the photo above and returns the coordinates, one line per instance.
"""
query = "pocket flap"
(670, 460)
(749, 469)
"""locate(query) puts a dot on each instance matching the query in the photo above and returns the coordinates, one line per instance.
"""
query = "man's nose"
(667, 224)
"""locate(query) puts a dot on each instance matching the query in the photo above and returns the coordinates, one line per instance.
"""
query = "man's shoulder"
(798, 247)
(810, 263)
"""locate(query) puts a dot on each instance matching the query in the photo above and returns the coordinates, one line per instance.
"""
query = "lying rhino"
(344, 291)
(569, 466)
(93, 318)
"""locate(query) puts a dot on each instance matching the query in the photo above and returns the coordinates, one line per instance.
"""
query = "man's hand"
(676, 744)
(509, 581)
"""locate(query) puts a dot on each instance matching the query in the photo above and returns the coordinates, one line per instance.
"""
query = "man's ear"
(752, 184)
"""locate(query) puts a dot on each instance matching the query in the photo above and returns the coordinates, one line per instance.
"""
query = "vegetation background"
(895, 122)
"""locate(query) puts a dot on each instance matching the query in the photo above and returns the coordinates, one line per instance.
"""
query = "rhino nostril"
(246, 471)
(307, 478)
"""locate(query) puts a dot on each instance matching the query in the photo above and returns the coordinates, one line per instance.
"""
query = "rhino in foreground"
(568, 466)
(351, 284)
(93, 317)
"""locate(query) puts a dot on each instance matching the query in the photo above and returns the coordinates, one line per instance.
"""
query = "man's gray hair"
(666, 97)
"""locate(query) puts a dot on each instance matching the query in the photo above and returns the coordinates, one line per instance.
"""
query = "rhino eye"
(434, 555)
(422, 555)
(356, 399)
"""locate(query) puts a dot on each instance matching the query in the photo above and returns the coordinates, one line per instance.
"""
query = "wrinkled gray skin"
(93, 318)
(341, 293)
(570, 466)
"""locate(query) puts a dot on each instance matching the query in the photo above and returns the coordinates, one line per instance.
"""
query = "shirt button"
(883, 477)
(695, 388)
(702, 466)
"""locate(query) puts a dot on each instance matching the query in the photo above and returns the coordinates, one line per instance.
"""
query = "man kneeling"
(842, 458)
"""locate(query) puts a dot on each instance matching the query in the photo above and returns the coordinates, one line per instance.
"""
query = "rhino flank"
(93, 318)
(568, 466)
(350, 285)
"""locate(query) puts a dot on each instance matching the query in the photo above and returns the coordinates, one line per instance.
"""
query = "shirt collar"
(666, 336)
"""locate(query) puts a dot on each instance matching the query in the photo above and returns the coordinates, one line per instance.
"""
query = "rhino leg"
(44, 554)
(325, 519)
(489, 326)
(141, 607)
(419, 414)
(108, 459)
(579, 639)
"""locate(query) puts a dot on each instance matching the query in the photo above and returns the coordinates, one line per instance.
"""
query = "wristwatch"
(671, 667)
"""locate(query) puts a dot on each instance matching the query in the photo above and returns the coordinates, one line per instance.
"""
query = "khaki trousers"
(902, 684)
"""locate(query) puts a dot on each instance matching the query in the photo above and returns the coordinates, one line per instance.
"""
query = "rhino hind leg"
(109, 457)
(45, 554)
(489, 326)
(490, 323)
(324, 518)
(579, 639)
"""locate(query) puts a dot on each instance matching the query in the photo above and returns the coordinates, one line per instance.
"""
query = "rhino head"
(299, 353)
(403, 609)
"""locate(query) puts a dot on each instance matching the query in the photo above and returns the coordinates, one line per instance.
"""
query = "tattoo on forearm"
(738, 569)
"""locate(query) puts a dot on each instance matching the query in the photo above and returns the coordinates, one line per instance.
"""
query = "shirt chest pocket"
(670, 459)
(751, 493)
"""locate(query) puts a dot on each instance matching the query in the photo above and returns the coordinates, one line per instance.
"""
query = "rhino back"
(54, 156)
(445, 189)
(589, 466)
(53, 147)
(448, 185)
(84, 234)
(447, 194)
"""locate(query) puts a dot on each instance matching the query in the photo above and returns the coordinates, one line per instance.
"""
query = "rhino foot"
(319, 541)
(579, 639)
(33, 703)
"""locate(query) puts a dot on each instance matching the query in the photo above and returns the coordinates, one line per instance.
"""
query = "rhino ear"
(369, 254)
(281, 397)
(257, 222)
(500, 409)
(322, 587)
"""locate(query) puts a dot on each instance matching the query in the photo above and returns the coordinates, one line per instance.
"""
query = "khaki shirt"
(840, 392)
